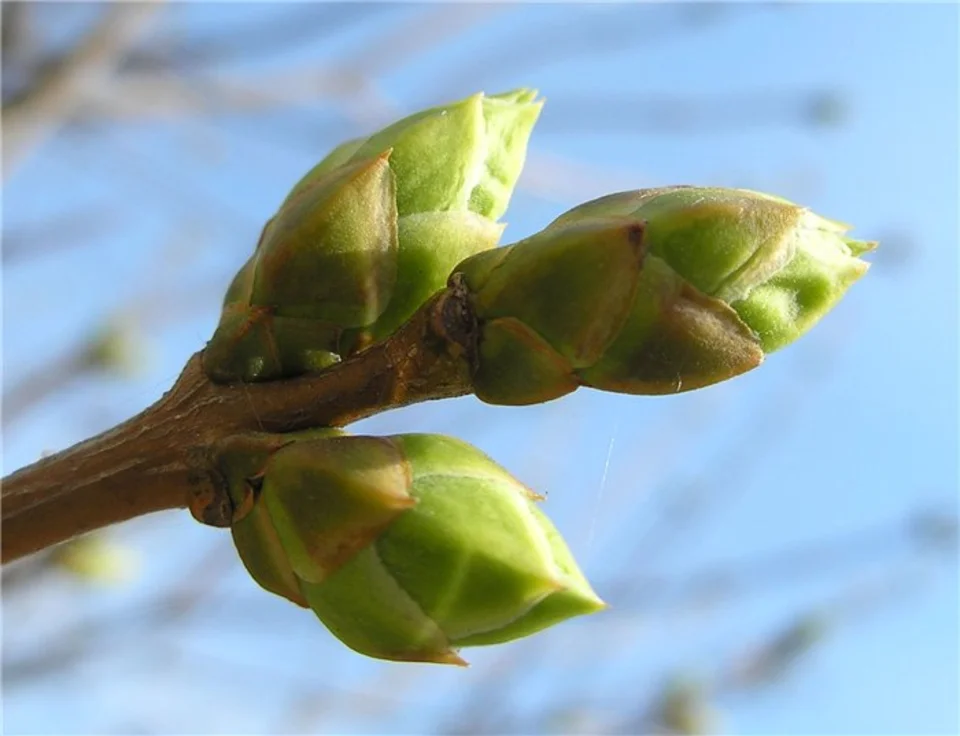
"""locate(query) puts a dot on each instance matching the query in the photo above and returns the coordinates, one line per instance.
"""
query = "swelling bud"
(369, 234)
(653, 292)
(406, 547)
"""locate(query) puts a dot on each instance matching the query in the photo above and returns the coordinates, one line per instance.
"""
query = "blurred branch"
(87, 636)
(274, 33)
(21, 48)
(42, 383)
(922, 530)
(169, 93)
(56, 233)
(682, 707)
(437, 24)
(15, 32)
(166, 95)
(681, 503)
(775, 657)
(61, 89)
(676, 115)
(112, 348)
(596, 29)
(687, 705)
(17, 42)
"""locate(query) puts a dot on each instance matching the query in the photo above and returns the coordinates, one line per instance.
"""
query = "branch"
(57, 233)
(271, 34)
(43, 108)
(111, 349)
(603, 114)
(42, 383)
(162, 459)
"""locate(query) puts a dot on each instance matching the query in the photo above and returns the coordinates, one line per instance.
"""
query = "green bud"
(330, 253)
(339, 156)
(651, 292)
(465, 156)
(778, 265)
(456, 168)
(326, 261)
(684, 708)
(95, 558)
(406, 547)
(117, 347)
(242, 462)
(369, 234)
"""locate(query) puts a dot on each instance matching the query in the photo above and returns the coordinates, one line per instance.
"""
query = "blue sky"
(852, 428)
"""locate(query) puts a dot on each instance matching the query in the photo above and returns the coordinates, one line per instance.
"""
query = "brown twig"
(161, 458)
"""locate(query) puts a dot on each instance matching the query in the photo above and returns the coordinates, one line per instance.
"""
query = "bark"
(161, 458)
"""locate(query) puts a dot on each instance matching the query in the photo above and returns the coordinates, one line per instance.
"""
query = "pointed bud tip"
(533, 495)
(859, 247)
(451, 657)
(444, 656)
(519, 96)
(601, 605)
(591, 602)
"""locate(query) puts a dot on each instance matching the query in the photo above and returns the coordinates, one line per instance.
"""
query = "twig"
(162, 458)
(593, 31)
(791, 565)
(57, 233)
(400, 43)
(271, 34)
(44, 107)
(42, 383)
(150, 95)
(606, 114)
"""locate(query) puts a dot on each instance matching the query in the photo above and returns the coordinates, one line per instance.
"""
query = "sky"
(852, 428)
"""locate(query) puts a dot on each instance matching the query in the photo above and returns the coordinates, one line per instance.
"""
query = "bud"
(654, 291)
(94, 558)
(326, 261)
(463, 156)
(406, 547)
(117, 347)
(369, 234)
(684, 708)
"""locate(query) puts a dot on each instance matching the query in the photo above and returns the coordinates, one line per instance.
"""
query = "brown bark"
(161, 459)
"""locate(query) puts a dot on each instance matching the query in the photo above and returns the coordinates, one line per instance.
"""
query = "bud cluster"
(411, 546)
